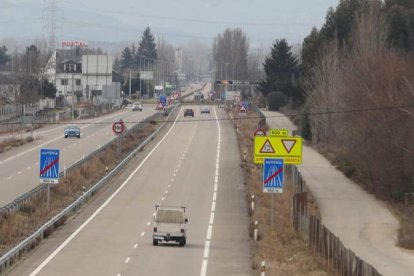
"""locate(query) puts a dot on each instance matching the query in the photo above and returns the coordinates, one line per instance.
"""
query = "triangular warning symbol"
(267, 147)
(159, 106)
(242, 109)
(288, 144)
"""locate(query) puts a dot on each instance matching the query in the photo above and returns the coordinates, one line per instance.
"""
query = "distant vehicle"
(188, 112)
(72, 131)
(137, 107)
(205, 109)
(169, 225)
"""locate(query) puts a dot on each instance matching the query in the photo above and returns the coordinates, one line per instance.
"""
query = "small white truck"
(169, 225)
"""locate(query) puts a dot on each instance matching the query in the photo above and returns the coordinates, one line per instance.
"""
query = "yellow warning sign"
(276, 132)
(267, 148)
(288, 148)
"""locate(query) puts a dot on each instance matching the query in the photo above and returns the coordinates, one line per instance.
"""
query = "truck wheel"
(182, 242)
(154, 242)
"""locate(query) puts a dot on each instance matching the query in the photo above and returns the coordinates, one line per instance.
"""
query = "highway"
(362, 222)
(19, 167)
(195, 163)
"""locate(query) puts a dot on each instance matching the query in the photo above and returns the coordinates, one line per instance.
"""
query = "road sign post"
(49, 169)
(273, 179)
(288, 148)
(118, 128)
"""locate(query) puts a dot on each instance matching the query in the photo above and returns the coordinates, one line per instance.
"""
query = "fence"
(321, 240)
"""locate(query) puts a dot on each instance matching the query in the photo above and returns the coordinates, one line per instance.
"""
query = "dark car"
(188, 112)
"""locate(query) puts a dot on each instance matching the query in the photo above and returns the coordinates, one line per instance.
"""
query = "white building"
(96, 73)
(78, 75)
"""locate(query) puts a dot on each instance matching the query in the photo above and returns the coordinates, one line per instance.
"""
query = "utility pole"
(130, 83)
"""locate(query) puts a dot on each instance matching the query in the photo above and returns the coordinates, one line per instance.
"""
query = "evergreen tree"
(126, 58)
(280, 68)
(4, 58)
(147, 46)
(31, 59)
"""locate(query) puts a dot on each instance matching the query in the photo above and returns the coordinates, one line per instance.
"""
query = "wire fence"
(320, 239)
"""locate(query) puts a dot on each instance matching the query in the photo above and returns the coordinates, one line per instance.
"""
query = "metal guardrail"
(15, 204)
(27, 244)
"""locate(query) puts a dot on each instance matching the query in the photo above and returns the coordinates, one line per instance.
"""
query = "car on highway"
(72, 131)
(205, 109)
(169, 225)
(137, 107)
(189, 112)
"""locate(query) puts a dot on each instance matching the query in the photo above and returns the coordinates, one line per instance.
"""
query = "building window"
(78, 82)
(64, 81)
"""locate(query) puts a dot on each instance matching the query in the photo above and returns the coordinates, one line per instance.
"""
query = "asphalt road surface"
(362, 222)
(19, 167)
(196, 164)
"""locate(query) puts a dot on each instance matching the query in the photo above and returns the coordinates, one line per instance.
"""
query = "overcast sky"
(175, 20)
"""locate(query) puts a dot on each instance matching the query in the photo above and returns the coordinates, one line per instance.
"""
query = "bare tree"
(230, 54)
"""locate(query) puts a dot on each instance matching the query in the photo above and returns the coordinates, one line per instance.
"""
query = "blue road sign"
(49, 166)
(273, 176)
(163, 100)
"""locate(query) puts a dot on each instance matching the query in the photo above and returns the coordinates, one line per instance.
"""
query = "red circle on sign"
(118, 127)
(259, 132)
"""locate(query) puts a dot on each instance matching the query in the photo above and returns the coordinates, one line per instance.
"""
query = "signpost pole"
(271, 212)
(48, 196)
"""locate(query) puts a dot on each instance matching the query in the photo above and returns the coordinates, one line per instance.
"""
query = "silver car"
(72, 131)
(205, 109)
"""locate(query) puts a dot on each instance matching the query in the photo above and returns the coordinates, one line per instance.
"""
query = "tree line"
(27, 69)
(353, 86)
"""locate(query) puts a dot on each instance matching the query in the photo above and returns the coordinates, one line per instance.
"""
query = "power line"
(194, 20)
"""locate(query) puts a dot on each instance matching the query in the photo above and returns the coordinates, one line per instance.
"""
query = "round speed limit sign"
(118, 128)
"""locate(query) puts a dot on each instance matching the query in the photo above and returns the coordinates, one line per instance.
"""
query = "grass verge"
(16, 226)
(282, 248)
(13, 142)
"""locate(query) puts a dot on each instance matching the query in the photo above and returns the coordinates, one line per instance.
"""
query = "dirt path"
(362, 222)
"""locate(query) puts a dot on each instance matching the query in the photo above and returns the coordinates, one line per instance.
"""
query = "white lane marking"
(9, 177)
(142, 234)
(211, 221)
(153, 214)
(204, 264)
(127, 260)
(174, 174)
(135, 246)
(204, 267)
(74, 234)
(166, 191)
(119, 274)
(176, 170)
(206, 250)
(19, 172)
(169, 185)
(148, 223)
(162, 199)
(179, 165)
(209, 232)
(172, 179)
